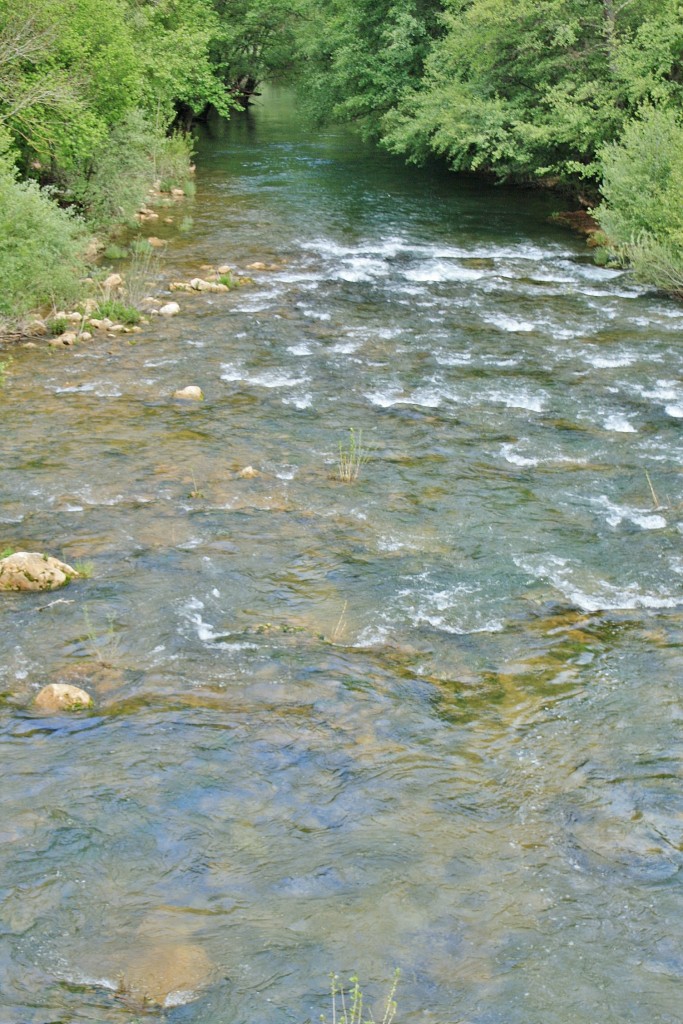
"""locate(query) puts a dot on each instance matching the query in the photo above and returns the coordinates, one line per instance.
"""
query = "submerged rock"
(168, 974)
(30, 570)
(191, 392)
(62, 697)
(248, 473)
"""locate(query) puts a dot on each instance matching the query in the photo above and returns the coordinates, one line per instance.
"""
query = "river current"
(429, 719)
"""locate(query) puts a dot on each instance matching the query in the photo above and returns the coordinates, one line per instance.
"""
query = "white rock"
(191, 392)
(248, 473)
(225, 269)
(170, 309)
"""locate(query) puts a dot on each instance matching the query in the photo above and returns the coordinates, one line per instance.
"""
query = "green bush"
(642, 188)
(172, 156)
(658, 263)
(57, 325)
(642, 183)
(118, 311)
(116, 183)
(41, 246)
(115, 252)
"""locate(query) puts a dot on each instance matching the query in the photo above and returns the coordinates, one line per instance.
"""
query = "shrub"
(642, 184)
(57, 325)
(119, 176)
(658, 263)
(115, 252)
(642, 188)
(118, 311)
(171, 157)
(41, 246)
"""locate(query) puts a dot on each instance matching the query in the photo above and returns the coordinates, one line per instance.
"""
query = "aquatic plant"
(102, 645)
(348, 1006)
(85, 569)
(352, 457)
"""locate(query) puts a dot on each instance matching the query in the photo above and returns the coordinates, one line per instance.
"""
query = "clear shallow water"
(428, 720)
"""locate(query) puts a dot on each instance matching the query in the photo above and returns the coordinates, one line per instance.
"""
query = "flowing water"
(429, 719)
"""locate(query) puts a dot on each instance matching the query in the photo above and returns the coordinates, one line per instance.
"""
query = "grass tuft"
(348, 1006)
(85, 569)
(352, 457)
(117, 311)
(58, 324)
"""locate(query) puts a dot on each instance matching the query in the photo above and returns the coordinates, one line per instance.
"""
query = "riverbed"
(428, 719)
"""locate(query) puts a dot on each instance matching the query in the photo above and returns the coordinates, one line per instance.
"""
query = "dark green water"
(430, 719)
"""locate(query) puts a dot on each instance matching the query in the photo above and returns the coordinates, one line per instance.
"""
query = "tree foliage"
(568, 90)
(574, 90)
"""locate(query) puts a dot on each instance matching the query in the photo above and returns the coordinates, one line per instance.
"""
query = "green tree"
(360, 58)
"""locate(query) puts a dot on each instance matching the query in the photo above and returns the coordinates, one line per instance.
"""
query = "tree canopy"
(571, 91)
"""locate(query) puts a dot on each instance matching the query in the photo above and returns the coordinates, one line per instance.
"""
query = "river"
(429, 719)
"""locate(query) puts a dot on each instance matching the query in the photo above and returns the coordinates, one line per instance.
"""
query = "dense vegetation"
(583, 94)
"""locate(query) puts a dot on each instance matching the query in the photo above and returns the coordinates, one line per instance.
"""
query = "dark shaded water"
(430, 719)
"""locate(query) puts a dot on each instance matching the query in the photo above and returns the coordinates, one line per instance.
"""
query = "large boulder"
(29, 570)
(57, 697)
